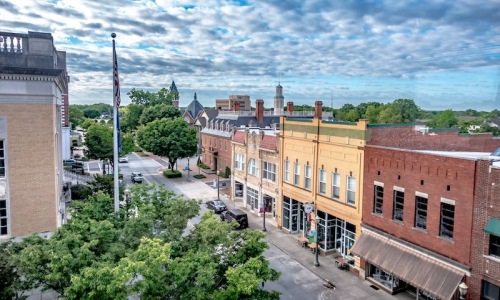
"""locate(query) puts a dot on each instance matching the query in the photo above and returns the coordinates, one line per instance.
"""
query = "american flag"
(116, 79)
(117, 99)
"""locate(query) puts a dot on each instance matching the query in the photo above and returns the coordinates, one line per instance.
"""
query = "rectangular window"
(447, 220)
(239, 161)
(399, 201)
(378, 199)
(3, 194)
(490, 291)
(269, 171)
(307, 177)
(252, 198)
(421, 212)
(351, 190)
(336, 186)
(494, 245)
(252, 167)
(296, 174)
(287, 171)
(322, 182)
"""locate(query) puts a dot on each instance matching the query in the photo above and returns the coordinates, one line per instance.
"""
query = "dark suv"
(235, 215)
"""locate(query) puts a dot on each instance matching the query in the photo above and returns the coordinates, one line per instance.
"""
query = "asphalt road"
(296, 281)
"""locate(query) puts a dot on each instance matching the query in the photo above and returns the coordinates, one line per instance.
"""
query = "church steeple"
(173, 89)
(279, 100)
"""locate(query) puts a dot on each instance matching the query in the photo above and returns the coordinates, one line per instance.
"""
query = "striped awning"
(418, 269)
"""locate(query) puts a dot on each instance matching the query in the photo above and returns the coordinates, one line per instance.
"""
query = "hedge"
(172, 173)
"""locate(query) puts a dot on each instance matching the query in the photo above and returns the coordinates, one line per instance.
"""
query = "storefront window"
(335, 233)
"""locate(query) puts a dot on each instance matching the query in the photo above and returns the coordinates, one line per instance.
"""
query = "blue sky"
(442, 54)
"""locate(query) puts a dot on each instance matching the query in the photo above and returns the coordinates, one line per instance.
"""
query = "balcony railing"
(12, 42)
(271, 113)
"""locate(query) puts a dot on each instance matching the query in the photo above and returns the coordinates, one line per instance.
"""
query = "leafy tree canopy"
(99, 142)
(157, 112)
(170, 138)
(163, 96)
(141, 251)
(131, 116)
(444, 119)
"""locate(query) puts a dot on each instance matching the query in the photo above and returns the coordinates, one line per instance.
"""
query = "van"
(235, 215)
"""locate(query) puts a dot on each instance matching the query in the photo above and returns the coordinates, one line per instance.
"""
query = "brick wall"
(406, 137)
(486, 207)
(223, 147)
(406, 169)
(32, 167)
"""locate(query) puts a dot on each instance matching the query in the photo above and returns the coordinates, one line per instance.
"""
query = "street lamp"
(316, 219)
(264, 215)
(462, 290)
(218, 189)
(188, 168)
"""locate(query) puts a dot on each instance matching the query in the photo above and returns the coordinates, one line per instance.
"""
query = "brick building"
(256, 174)
(216, 136)
(33, 95)
(484, 282)
(322, 165)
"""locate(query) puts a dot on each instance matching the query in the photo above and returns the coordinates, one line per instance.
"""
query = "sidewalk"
(348, 285)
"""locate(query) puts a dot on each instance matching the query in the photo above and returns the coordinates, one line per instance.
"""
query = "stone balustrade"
(12, 42)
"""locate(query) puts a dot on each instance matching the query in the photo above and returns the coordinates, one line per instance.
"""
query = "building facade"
(234, 103)
(322, 165)
(484, 281)
(417, 217)
(256, 175)
(216, 136)
(33, 89)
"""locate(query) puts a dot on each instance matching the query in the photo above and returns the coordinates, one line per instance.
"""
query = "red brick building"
(216, 136)
(418, 212)
(484, 282)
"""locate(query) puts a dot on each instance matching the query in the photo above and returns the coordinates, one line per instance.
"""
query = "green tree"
(400, 111)
(444, 119)
(157, 112)
(91, 113)
(75, 116)
(132, 115)
(99, 142)
(146, 98)
(170, 138)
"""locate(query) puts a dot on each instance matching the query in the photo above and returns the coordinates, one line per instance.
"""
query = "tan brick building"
(322, 165)
(256, 174)
(33, 86)
(234, 103)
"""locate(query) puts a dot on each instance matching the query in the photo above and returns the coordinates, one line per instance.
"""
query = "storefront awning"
(418, 269)
(493, 227)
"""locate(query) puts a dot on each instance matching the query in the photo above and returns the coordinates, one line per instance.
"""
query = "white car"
(123, 159)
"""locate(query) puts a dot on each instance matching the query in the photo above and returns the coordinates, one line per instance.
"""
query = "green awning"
(493, 227)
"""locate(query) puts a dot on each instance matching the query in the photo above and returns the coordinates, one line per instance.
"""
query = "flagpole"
(115, 129)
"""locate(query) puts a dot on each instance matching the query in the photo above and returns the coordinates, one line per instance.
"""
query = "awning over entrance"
(493, 227)
(418, 269)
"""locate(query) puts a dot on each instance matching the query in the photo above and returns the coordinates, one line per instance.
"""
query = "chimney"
(259, 110)
(289, 107)
(318, 109)
(236, 106)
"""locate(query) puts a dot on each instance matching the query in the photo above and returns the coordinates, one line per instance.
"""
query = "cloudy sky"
(442, 54)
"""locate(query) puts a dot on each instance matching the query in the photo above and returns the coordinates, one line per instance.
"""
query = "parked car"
(137, 177)
(235, 215)
(123, 159)
(69, 161)
(216, 205)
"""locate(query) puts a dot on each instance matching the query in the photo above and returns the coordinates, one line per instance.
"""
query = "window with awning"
(420, 270)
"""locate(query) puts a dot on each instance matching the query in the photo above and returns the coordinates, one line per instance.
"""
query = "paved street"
(300, 279)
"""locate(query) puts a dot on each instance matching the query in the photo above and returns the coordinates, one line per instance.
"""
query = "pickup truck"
(137, 177)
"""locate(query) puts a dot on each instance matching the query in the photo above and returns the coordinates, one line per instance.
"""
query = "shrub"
(80, 192)
(203, 166)
(199, 176)
(172, 173)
